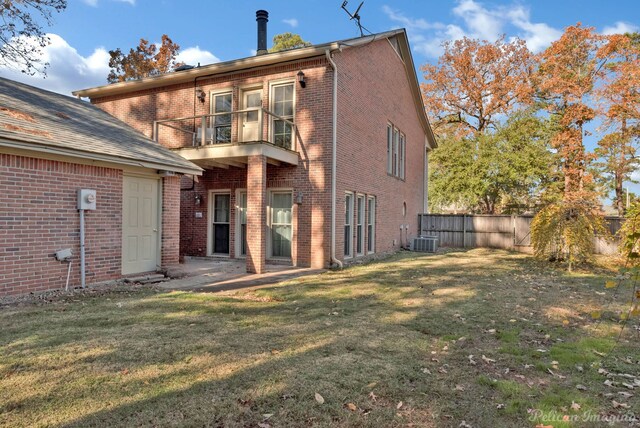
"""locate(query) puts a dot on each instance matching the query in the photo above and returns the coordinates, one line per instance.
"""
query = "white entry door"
(139, 225)
(251, 120)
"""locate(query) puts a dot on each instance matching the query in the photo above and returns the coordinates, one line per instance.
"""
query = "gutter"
(334, 145)
(60, 151)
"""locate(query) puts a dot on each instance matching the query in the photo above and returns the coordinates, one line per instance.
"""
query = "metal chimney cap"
(262, 14)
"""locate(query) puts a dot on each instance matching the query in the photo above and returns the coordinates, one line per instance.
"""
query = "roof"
(184, 76)
(36, 119)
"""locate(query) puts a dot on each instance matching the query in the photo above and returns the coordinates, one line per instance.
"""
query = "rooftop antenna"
(355, 16)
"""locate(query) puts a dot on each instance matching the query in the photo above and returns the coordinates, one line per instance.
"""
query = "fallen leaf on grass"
(575, 406)
(581, 387)
(399, 405)
(627, 385)
(319, 398)
(617, 405)
(500, 406)
(267, 416)
(264, 425)
(471, 360)
(459, 388)
(487, 360)
(373, 396)
(426, 370)
(625, 394)
(464, 424)
(610, 284)
(351, 407)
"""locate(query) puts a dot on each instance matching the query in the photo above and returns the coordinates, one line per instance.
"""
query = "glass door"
(221, 103)
(242, 222)
(251, 119)
(221, 223)
(281, 233)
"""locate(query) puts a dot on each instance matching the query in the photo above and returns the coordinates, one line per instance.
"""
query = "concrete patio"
(216, 275)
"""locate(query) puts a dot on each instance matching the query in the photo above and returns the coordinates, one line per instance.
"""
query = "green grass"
(371, 336)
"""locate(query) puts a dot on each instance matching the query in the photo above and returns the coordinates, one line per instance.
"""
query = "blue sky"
(214, 30)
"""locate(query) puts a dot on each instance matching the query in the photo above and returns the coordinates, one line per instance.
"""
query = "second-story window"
(396, 152)
(282, 106)
(221, 103)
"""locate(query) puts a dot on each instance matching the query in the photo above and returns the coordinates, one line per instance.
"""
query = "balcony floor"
(225, 155)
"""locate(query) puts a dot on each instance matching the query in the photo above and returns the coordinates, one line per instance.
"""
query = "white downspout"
(82, 254)
(334, 144)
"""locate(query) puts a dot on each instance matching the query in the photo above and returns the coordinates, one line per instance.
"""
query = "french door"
(220, 227)
(281, 224)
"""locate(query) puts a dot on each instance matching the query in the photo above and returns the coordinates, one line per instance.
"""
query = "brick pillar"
(256, 213)
(170, 221)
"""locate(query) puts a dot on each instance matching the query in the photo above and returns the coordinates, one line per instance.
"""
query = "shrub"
(564, 231)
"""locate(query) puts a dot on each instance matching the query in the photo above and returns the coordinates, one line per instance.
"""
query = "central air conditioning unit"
(425, 244)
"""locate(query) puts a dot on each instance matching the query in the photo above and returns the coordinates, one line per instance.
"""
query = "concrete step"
(147, 279)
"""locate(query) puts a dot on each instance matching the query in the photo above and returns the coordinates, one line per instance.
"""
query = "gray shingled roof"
(48, 120)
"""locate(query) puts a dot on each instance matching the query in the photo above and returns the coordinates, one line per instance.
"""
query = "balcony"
(222, 140)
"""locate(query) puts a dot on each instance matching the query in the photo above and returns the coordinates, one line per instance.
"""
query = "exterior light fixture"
(301, 80)
(200, 94)
(299, 198)
(198, 199)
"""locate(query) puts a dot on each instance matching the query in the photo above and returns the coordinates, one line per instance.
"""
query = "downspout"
(334, 144)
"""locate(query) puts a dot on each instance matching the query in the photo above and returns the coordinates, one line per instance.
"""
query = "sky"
(215, 30)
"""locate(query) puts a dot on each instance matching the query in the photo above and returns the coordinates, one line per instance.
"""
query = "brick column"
(256, 213)
(170, 246)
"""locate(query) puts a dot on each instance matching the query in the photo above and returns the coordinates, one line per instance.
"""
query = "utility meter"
(86, 199)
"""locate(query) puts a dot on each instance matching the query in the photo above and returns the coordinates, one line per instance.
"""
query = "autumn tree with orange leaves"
(567, 74)
(474, 82)
(619, 105)
(143, 61)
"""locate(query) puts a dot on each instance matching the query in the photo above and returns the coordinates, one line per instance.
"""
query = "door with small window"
(221, 121)
(281, 224)
(250, 129)
(220, 227)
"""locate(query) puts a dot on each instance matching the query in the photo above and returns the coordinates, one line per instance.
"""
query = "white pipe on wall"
(334, 145)
(82, 259)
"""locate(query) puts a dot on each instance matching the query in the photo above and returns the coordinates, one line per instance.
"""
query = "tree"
(567, 74)
(619, 99)
(493, 171)
(474, 82)
(143, 61)
(21, 34)
(286, 41)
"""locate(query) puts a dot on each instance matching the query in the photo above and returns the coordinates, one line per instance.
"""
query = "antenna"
(355, 16)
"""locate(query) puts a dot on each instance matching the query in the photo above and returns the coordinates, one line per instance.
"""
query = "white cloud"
(473, 19)
(620, 28)
(68, 70)
(293, 22)
(195, 55)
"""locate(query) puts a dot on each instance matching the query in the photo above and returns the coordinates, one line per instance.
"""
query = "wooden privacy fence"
(498, 231)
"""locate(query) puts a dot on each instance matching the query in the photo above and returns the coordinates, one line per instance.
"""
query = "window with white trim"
(396, 152)
(360, 225)
(282, 105)
(371, 224)
(348, 225)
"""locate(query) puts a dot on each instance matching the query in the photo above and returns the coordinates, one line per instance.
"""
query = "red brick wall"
(38, 216)
(372, 91)
(311, 176)
(170, 221)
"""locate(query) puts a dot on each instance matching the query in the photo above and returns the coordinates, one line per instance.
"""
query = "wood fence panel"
(498, 231)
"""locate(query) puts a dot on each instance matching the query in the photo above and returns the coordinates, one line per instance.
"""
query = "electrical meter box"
(86, 199)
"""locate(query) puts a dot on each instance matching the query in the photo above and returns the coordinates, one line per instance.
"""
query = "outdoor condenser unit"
(425, 244)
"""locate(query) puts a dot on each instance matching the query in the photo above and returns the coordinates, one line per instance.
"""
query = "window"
(396, 142)
(389, 149)
(371, 225)
(348, 219)
(360, 225)
(396, 152)
(401, 156)
(282, 106)
(221, 103)
(281, 204)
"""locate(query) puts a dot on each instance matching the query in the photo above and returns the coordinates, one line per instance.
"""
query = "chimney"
(262, 17)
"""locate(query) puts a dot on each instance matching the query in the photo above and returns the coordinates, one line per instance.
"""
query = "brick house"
(52, 145)
(313, 156)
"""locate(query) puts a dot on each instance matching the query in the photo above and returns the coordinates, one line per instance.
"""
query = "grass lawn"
(464, 338)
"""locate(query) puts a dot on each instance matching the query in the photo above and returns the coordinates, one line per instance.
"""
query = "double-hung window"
(396, 152)
(389, 149)
(360, 225)
(371, 224)
(282, 106)
(221, 104)
(348, 225)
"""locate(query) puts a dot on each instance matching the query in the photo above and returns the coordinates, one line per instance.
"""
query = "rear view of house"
(51, 148)
(313, 156)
